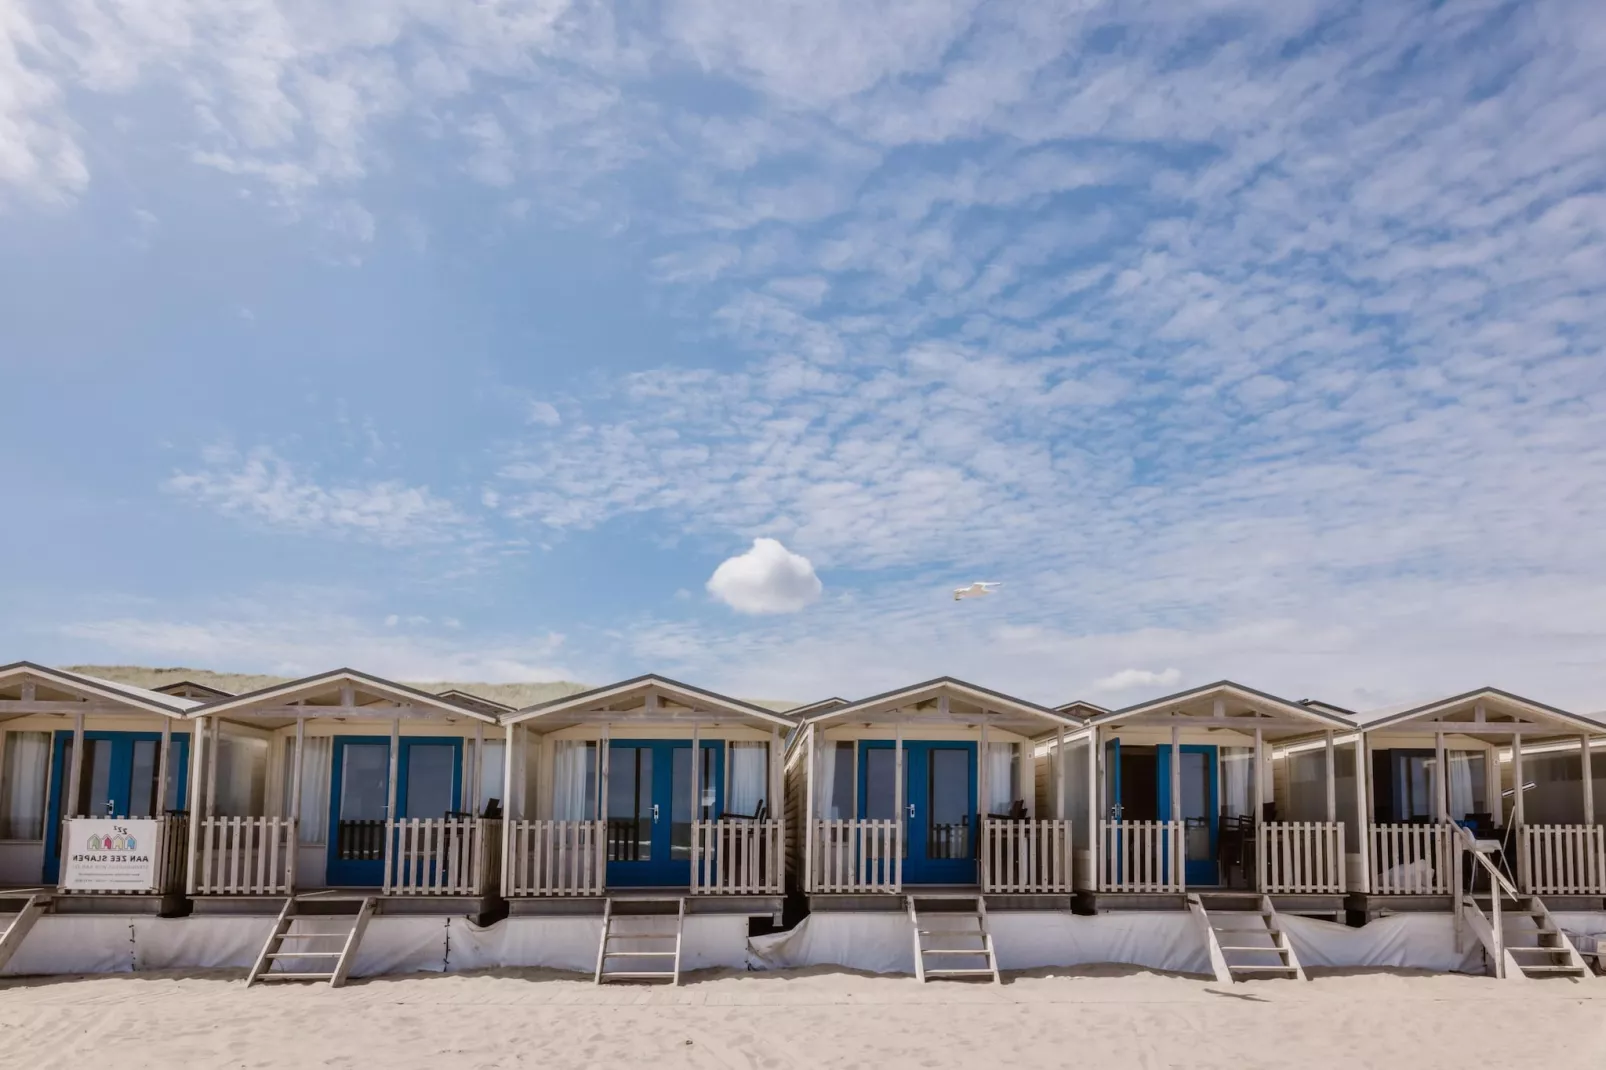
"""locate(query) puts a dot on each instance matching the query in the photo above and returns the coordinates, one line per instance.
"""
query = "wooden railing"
(737, 857)
(245, 856)
(1301, 857)
(554, 858)
(1141, 856)
(857, 856)
(445, 856)
(1562, 859)
(1412, 860)
(1025, 856)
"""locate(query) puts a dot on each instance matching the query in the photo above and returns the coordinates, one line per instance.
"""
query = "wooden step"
(1262, 969)
(638, 954)
(638, 975)
(950, 971)
(1573, 970)
(279, 976)
(304, 954)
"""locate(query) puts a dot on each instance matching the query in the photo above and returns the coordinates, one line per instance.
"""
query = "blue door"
(116, 779)
(1199, 809)
(429, 783)
(649, 809)
(939, 808)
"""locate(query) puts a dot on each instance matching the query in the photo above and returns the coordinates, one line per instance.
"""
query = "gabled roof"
(473, 701)
(1395, 715)
(178, 688)
(980, 696)
(1257, 699)
(401, 693)
(137, 697)
(816, 707)
(1082, 708)
(692, 696)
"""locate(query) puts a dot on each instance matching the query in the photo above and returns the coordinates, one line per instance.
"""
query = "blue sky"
(1244, 339)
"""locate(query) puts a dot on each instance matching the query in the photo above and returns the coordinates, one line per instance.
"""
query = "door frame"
(917, 867)
(370, 872)
(662, 869)
(1204, 873)
(122, 753)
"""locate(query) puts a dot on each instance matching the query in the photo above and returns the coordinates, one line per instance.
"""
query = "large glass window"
(26, 772)
(431, 769)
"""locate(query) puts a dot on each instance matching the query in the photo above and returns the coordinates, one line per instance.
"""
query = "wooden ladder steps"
(284, 931)
(1525, 960)
(972, 926)
(1225, 915)
(608, 953)
(17, 931)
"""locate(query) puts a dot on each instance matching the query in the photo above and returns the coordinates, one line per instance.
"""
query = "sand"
(807, 1018)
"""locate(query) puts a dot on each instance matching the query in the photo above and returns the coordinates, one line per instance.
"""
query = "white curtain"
(242, 769)
(1001, 782)
(1463, 799)
(1307, 786)
(491, 770)
(829, 805)
(574, 795)
(314, 820)
(27, 759)
(1236, 764)
(748, 772)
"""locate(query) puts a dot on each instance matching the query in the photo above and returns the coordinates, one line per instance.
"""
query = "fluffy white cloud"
(1127, 679)
(768, 578)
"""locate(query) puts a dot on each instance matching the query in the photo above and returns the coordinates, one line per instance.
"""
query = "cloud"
(263, 487)
(768, 578)
(544, 413)
(1127, 679)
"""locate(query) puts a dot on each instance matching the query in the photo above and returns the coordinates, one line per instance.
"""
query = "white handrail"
(1464, 841)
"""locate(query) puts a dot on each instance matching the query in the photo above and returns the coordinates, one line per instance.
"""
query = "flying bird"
(975, 590)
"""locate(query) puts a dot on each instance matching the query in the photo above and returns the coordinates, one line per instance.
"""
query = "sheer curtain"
(314, 820)
(1467, 787)
(1236, 765)
(1002, 785)
(1307, 785)
(27, 758)
(242, 770)
(747, 770)
(830, 806)
(574, 794)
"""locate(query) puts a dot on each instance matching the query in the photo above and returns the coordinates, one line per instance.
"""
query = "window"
(27, 765)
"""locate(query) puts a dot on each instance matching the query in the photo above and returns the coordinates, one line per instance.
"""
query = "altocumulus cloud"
(1127, 679)
(768, 578)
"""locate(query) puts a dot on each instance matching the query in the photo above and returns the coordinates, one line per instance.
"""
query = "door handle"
(655, 813)
(911, 811)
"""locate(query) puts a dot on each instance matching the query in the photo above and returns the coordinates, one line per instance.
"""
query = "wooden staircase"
(1244, 937)
(646, 946)
(963, 946)
(307, 947)
(1549, 954)
(33, 904)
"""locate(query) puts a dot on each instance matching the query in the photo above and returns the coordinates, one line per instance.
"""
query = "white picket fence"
(1412, 860)
(737, 857)
(244, 856)
(1562, 859)
(1025, 856)
(1141, 856)
(444, 856)
(555, 858)
(1301, 857)
(857, 856)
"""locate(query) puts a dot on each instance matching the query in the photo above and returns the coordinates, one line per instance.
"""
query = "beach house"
(645, 828)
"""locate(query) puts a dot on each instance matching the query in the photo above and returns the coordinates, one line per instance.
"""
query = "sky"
(1249, 339)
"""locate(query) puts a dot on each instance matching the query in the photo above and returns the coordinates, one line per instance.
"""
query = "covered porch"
(1219, 789)
(927, 789)
(642, 789)
(1514, 778)
(344, 782)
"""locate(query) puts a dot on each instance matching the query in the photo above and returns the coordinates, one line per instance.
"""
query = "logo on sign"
(118, 839)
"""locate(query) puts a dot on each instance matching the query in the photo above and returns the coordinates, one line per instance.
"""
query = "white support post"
(1517, 816)
(509, 814)
(1095, 818)
(1259, 779)
(777, 772)
(191, 875)
(807, 831)
(295, 770)
(605, 764)
(1059, 761)
(899, 802)
(696, 777)
(159, 804)
(983, 787)
(1441, 777)
(1332, 781)
(74, 775)
(391, 822)
(1176, 775)
(1585, 760)
(212, 747)
(474, 799)
(1363, 831)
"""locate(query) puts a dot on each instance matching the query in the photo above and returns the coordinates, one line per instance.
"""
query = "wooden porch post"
(197, 738)
(508, 812)
(211, 765)
(1586, 761)
(901, 828)
(474, 800)
(1059, 762)
(777, 789)
(1517, 815)
(1332, 781)
(161, 768)
(983, 794)
(1095, 763)
(807, 831)
(1441, 776)
(696, 813)
(292, 846)
(391, 823)
(1363, 831)
(74, 775)
(1258, 781)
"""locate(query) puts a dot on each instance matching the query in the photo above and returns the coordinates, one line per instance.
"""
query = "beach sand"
(803, 1018)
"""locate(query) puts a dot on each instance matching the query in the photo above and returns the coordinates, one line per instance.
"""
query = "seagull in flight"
(975, 590)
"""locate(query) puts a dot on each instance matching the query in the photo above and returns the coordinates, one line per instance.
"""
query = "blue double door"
(429, 784)
(118, 776)
(939, 805)
(650, 810)
(1138, 787)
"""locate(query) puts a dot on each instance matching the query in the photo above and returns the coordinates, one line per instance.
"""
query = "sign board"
(117, 855)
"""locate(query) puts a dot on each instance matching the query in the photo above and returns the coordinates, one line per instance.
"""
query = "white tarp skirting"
(64, 944)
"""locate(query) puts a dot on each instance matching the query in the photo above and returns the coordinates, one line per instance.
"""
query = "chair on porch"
(1235, 850)
(739, 845)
